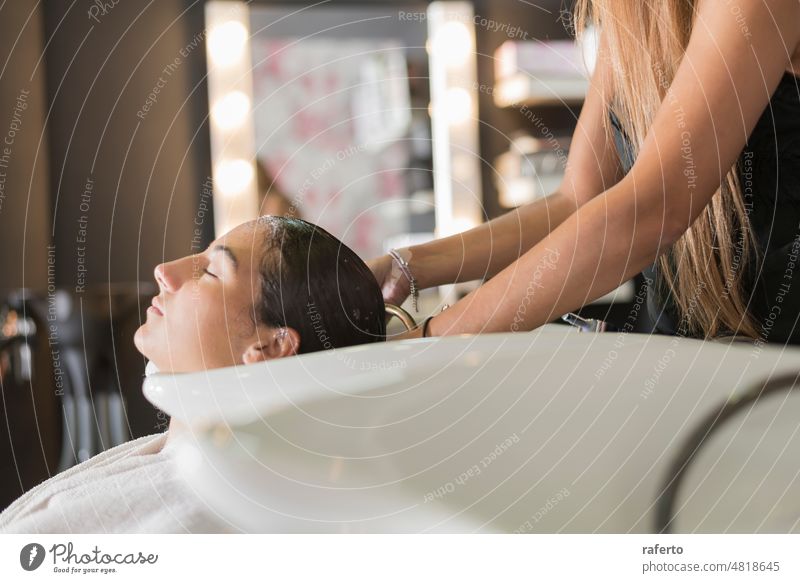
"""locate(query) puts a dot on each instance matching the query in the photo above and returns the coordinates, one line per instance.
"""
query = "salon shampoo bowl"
(549, 431)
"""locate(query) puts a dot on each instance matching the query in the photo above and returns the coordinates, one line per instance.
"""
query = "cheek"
(196, 318)
(199, 328)
(187, 336)
(199, 332)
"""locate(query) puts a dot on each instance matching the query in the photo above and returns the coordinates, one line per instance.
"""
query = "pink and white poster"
(331, 120)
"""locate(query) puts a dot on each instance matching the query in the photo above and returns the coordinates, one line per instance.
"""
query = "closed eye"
(209, 273)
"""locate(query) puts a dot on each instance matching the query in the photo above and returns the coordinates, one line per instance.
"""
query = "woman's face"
(203, 316)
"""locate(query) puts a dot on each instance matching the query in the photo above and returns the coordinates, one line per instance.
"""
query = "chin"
(138, 341)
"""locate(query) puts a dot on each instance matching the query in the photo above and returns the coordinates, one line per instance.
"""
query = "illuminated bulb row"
(452, 45)
(457, 178)
(227, 43)
(232, 130)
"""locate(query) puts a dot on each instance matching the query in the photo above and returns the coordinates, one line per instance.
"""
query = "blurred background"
(136, 132)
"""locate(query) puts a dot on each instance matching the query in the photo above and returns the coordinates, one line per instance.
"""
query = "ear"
(274, 343)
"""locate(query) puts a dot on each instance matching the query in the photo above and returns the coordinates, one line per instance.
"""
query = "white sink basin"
(548, 431)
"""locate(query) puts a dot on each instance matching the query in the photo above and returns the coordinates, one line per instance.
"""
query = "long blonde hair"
(646, 40)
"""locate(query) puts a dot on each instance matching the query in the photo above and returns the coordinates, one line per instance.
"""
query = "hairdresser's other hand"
(394, 284)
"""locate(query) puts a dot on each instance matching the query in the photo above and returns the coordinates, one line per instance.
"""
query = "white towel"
(150, 368)
(133, 487)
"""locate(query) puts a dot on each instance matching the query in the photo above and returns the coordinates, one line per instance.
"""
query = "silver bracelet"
(404, 267)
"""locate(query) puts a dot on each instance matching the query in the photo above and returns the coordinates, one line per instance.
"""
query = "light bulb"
(452, 43)
(231, 110)
(226, 42)
(457, 106)
(233, 176)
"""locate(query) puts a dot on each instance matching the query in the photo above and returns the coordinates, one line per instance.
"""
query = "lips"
(157, 306)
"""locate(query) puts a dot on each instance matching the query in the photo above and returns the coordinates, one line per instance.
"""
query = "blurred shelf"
(530, 170)
(525, 89)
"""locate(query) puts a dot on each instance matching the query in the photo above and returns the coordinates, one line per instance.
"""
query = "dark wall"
(126, 178)
(24, 200)
(114, 185)
(121, 177)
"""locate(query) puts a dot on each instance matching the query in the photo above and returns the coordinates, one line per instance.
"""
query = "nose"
(168, 276)
(161, 277)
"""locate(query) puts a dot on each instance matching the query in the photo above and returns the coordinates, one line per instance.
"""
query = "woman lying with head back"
(270, 288)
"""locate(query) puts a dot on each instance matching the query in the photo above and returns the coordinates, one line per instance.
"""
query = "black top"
(769, 173)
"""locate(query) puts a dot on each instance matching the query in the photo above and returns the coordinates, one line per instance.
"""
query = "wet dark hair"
(314, 283)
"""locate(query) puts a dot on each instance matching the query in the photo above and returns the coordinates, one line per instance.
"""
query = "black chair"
(71, 379)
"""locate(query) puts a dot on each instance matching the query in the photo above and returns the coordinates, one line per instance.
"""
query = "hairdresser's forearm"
(488, 248)
(591, 253)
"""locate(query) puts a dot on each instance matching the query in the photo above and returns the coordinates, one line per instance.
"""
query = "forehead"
(246, 241)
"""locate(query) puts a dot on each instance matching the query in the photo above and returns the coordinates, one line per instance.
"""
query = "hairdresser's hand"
(394, 285)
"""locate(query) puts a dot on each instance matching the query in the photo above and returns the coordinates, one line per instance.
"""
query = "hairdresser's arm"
(720, 89)
(592, 167)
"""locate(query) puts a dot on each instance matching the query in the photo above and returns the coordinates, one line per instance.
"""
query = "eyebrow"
(228, 253)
